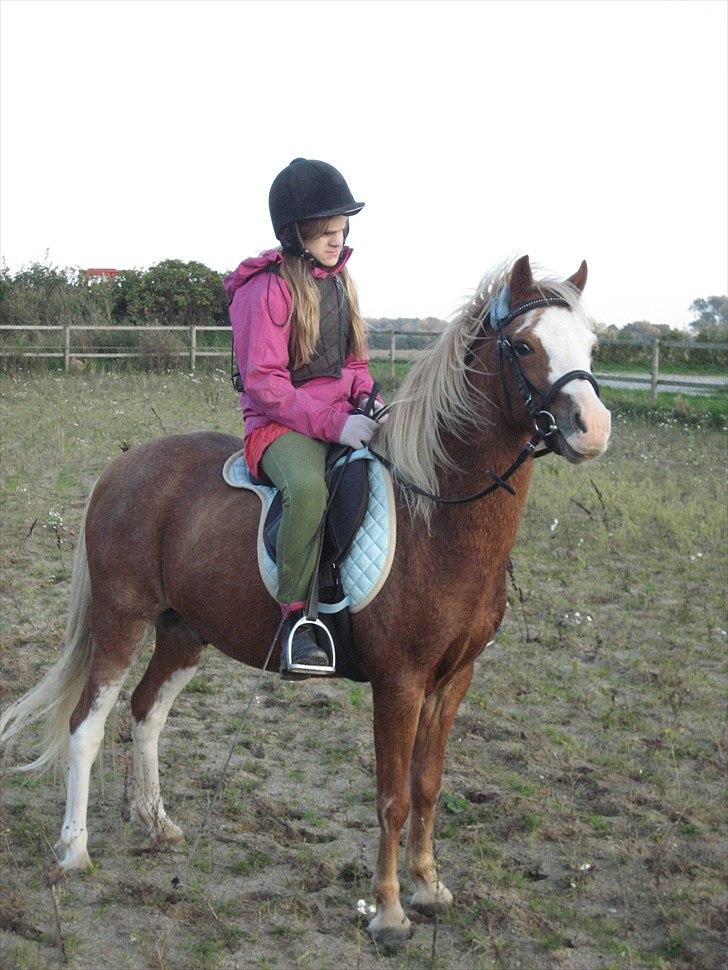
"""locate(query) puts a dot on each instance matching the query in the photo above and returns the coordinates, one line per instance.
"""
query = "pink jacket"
(259, 310)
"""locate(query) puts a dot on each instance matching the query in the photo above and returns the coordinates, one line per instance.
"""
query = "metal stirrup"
(330, 649)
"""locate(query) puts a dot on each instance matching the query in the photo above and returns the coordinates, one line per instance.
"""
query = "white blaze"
(568, 343)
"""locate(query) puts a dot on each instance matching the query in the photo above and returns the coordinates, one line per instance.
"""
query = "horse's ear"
(521, 279)
(578, 280)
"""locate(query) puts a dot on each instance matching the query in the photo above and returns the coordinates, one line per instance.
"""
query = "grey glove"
(357, 431)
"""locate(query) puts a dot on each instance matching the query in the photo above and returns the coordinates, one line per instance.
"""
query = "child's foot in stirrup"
(304, 649)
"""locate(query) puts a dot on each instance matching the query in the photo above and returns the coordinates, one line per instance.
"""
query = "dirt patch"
(581, 822)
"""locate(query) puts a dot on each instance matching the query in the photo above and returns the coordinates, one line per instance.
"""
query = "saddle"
(357, 551)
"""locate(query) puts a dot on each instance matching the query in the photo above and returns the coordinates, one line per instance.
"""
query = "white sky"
(139, 131)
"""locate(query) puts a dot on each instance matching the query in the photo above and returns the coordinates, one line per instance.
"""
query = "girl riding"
(299, 342)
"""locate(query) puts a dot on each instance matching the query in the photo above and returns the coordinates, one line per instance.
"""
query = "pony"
(155, 550)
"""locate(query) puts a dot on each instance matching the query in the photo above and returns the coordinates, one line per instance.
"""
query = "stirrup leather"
(329, 648)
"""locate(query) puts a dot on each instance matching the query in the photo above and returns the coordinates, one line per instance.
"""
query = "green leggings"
(296, 465)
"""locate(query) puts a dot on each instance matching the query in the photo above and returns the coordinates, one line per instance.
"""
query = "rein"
(535, 401)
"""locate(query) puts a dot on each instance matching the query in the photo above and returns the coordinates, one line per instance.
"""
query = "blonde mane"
(438, 396)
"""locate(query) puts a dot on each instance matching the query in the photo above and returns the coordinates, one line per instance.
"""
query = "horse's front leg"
(396, 714)
(438, 712)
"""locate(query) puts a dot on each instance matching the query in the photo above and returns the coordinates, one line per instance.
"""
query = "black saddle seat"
(345, 516)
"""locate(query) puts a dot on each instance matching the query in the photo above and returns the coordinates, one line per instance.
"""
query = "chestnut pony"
(166, 543)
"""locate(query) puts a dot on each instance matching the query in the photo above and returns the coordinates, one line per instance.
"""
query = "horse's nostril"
(577, 422)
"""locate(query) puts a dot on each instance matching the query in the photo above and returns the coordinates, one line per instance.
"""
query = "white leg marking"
(148, 804)
(84, 746)
(431, 895)
(390, 924)
(384, 820)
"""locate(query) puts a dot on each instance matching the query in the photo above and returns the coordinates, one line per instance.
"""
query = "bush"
(162, 349)
(172, 292)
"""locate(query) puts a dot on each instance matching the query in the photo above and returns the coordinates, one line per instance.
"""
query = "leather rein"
(536, 402)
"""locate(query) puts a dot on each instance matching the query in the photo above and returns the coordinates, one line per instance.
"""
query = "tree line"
(173, 292)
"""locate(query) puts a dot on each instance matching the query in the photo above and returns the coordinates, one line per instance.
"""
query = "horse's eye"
(522, 349)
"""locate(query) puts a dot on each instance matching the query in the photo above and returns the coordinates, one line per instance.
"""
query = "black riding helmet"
(307, 189)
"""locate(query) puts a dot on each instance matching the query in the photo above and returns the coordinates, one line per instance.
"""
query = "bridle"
(536, 402)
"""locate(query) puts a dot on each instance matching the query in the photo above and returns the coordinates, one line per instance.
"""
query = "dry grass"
(582, 818)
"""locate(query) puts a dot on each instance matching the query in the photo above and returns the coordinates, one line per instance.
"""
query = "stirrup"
(328, 648)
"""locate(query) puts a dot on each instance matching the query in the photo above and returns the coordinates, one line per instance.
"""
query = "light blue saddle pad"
(367, 564)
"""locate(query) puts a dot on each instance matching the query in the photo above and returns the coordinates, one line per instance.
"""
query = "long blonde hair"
(305, 317)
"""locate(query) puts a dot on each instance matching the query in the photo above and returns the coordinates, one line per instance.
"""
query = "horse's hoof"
(162, 830)
(390, 934)
(75, 861)
(167, 834)
(432, 900)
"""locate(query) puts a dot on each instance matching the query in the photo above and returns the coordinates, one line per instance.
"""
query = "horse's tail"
(52, 700)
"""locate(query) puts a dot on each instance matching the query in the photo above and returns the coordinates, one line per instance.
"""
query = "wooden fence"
(193, 351)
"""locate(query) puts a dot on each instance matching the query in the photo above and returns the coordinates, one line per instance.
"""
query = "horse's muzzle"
(584, 426)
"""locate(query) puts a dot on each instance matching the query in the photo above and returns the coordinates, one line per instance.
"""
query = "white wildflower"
(554, 524)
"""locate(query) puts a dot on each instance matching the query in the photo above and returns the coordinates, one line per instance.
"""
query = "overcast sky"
(139, 131)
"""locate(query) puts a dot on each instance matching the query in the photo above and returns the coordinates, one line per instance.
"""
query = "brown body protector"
(333, 345)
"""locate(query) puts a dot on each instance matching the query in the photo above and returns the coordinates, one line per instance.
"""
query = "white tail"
(52, 700)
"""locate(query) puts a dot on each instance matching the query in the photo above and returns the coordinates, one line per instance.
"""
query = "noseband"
(536, 402)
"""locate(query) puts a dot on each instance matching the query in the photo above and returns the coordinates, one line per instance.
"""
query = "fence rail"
(609, 378)
(193, 351)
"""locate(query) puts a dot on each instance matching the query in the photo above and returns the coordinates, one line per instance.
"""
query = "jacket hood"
(254, 264)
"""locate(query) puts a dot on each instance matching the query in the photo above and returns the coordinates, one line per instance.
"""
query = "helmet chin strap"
(298, 247)
(293, 244)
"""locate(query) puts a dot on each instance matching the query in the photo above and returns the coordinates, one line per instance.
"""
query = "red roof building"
(91, 274)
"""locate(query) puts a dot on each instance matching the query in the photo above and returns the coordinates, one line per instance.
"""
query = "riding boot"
(304, 648)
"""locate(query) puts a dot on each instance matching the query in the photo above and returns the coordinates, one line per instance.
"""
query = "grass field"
(677, 366)
(582, 820)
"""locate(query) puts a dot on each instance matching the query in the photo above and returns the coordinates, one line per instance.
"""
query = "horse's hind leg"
(115, 641)
(172, 666)
(436, 717)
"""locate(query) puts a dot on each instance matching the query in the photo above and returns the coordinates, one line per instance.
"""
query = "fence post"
(66, 348)
(193, 348)
(654, 377)
(392, 348)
